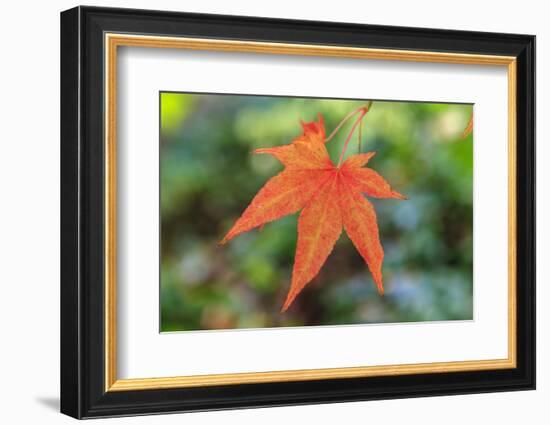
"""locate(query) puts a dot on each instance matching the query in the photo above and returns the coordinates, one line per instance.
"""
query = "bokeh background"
(209, 176)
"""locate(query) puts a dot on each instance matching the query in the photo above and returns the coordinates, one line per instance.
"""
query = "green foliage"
(208, 176)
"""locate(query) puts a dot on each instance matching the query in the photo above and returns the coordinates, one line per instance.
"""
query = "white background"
(259, 350)
(29, 229)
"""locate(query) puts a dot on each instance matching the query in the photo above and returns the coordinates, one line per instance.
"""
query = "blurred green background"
(209, 176)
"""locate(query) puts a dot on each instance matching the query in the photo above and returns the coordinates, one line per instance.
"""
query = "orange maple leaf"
(331, 199)
(469, 128)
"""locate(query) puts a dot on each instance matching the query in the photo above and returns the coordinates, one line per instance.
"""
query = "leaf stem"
(362, 112)
(346, 118)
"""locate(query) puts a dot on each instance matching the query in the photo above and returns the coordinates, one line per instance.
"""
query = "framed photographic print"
(261, 212)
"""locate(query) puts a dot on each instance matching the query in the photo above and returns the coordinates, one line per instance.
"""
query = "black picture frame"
(82, 218)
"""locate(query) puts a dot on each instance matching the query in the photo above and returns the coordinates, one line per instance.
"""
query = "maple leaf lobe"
(319, 227)
(286, 193)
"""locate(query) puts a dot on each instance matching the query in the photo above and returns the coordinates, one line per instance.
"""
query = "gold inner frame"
(113, 41)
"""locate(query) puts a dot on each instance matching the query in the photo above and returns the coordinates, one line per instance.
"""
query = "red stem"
(363, 110)
(347, 117)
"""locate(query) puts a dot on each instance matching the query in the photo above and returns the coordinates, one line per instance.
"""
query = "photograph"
(287, 211)
(261, 211)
